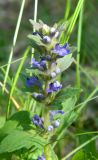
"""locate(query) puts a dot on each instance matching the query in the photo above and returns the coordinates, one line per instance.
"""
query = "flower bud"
(46, 39)
(53, 87)
(41, 157)
(52, 30)
(38, 96)
(56, 34)
(45, 29)
(37, 121)
(56, 123)
(53, 74)
(57, 70)
(50, 128)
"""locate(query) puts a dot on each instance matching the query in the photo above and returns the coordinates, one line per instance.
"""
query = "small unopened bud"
(57, 70)
(56, 34)
(52, 30)
(46, 39)
(38, 96)
(53, 74)
(50, 128)
(56, 123)
(45, 29)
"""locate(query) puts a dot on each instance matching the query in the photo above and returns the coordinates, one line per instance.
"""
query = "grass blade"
(66, 37)
(67, 9)
(16, 78)
(80, 147)
(79, 47)
(14, 43)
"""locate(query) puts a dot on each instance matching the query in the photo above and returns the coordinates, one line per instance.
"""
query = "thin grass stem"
(14, 42)
(16, 78)
(80, 147)
(79, 47)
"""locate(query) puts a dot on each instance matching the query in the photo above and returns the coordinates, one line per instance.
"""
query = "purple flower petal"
(33, 81)
(39, 65)
(38, 96)
(46, 39)
(53, 87)
(61, 50)
(37, 121)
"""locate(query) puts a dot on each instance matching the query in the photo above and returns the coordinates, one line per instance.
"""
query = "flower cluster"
(53, 123)
(45, 68)
(37, 121)
(48, 51)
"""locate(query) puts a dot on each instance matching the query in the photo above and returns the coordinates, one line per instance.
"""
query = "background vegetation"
(50, 12)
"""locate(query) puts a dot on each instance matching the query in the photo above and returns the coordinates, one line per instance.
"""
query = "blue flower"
(55, 112)
(57, 70)
(39, 65)
(41, 158)
(33, 81)
(60, 50)
(53, 87)
(37, 121)
(46, 39)
(50, 128)
(56, 123)
(38, 96)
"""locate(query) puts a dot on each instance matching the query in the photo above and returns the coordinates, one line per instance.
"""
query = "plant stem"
(79, 48)
(14, 43)
(35, 19)
(16, 78)
(74, 18)
(67, 9)
(35, 12)
(80, 147)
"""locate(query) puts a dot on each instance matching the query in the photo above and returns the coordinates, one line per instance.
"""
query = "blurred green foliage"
(50, 12)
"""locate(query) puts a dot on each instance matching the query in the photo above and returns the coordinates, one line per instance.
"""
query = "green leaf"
(91, 147)
(84, 155)
(80, 155)
(68, 118)
(8, 127)
(36, 25)
(22, 118)
(2, 121)
(65, 62)
(20, 139)
(36, 39)
(65, 94)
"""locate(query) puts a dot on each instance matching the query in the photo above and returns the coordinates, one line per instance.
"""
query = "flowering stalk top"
(47, 56)
(48, 62)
